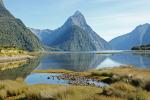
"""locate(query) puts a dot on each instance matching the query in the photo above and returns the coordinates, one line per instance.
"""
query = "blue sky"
(109, 18)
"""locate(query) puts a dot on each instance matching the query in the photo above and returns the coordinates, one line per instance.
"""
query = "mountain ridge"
(131, 39)
(13, 33)
(76, 21)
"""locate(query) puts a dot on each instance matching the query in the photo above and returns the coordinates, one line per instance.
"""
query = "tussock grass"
(52, 71)
(124, 87)
(60, 92)
(127, 83)
(119, 91)
(11, 88)
(11, 65)
(126, 91)
(3, 94)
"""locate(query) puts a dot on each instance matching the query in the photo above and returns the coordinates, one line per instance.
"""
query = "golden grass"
(124, 87)
(52, 71)
(129, 72)
(118, 90)
(11, 65)
(17, 90)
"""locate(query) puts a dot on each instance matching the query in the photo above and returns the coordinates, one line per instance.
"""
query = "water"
(72, 61)
(86, 61)
(42, 78)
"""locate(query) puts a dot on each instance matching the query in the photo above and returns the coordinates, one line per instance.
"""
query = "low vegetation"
(11, 65)
(7, 51)
(53, 71)
(126, 83)
(17, 90)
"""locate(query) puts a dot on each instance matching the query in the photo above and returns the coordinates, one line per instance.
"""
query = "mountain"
(139, 36)
(42, 34)
(13, 33)
(75, 35)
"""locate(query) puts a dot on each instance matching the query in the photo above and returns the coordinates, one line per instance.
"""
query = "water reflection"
(22, 70)
(132, 59)
(85, 61)
(75, 62)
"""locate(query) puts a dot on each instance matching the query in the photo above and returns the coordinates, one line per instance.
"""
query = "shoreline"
(125, 83)
(106, 75)
(4, 59)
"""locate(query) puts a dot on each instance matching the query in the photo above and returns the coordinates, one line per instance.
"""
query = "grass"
(120, 91)
(128, 74)
(11, 65)
(17, 90)
(128, 83)
(52, 71)
(127, 91)
(11, 52)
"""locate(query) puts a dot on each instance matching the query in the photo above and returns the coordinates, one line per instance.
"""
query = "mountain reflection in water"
(86, 61)
(75, 62)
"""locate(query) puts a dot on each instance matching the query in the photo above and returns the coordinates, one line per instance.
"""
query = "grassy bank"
(17, 90)
(126, 83)
(11, 65)
(53, 71)
(15, 54)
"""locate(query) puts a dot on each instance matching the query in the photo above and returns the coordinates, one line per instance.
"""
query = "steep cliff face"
(139, 36)
(75, 35)
(13, 33)
(1, 3)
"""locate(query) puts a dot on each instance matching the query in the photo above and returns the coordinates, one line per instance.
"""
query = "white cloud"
(111, 26)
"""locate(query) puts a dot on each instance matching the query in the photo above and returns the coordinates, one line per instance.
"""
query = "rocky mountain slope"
(74, 35)
(139, 36)
(13, 33)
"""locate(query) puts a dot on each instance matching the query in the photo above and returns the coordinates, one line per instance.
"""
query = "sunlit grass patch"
(52, 71)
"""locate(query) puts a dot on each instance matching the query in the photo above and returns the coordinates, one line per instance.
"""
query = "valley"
(74, 61)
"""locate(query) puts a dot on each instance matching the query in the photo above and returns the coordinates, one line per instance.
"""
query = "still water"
(86, 61)
(74, 62)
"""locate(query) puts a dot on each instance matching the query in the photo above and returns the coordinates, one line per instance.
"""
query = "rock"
(48, 77)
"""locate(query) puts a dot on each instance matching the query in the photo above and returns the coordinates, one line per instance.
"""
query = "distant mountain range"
(74, 35)
(43, 35)
(13, 33)
(139, 36)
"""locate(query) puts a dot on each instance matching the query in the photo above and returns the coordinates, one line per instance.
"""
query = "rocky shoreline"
(79, 80)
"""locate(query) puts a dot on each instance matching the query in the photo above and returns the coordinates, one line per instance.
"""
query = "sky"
(108, 18)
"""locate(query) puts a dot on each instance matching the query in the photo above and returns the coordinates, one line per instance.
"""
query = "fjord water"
(86, 61)
(75, 62)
